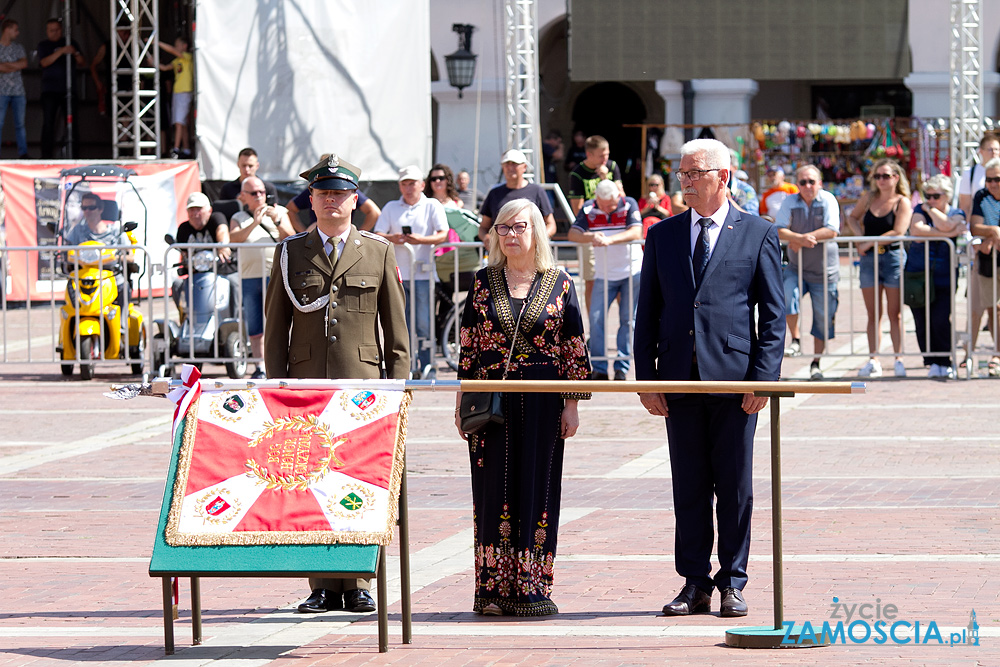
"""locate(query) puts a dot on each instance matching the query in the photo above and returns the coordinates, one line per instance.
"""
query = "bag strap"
(517, 326)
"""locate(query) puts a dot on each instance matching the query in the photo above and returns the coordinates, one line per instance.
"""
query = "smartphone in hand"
(270, 200)
(407, 229)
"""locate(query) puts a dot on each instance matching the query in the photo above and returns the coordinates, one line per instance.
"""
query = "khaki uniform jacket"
(340, 340)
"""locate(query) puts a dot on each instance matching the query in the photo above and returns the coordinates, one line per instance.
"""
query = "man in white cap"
(204, 226)
(515, 186)
(417, 222)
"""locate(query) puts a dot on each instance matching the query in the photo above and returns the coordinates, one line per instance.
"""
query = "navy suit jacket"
(675, 321)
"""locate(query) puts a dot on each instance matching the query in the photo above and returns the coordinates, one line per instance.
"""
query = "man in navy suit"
(704, 274)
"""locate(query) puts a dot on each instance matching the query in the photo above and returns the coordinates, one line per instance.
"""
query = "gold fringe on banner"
(175, 537)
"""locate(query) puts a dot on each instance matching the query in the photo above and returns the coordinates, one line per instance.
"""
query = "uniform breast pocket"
(307, 287)
(360, 293)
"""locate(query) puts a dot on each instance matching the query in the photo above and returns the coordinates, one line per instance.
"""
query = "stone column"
(722, 101)
(672, 93)
(932, 93)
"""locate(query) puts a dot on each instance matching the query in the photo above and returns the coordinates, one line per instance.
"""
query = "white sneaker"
(899, 369)
(794, 350)
(873, 369)
(935, 371)
(948, 372)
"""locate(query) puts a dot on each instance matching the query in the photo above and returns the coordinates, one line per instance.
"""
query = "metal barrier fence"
(230, 342)
(81, 316)
(959, 262)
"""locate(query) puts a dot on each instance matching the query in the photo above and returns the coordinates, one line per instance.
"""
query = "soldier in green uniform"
(334, 294)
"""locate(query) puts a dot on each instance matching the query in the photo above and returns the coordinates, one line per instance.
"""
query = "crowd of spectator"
(607, 223)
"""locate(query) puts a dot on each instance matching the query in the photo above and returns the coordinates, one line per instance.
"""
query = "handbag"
(479, 408)
(913, 289)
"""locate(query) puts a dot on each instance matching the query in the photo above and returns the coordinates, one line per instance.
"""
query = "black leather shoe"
(594, 375)
(620, 375)
(358, 600)
(733, 603)
(691, 600)
(321, 600)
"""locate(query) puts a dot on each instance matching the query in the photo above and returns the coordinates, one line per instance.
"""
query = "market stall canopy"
(646, 40)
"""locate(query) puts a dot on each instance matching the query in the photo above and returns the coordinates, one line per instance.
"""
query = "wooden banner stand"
(291, 560)
(364, 560)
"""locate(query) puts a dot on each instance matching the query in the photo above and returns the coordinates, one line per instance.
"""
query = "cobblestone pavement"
(888, 498)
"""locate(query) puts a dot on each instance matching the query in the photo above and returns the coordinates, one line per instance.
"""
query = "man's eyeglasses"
(693, 174)
(882, 177)
(435, 179)
(255, 193)
(994, 179)
(516, 229)
(934, 196)
(807, 181)
(94, 208)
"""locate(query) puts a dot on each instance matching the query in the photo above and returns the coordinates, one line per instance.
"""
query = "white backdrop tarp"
(298, 78)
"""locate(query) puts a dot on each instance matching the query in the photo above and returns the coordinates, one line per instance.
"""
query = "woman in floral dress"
(517, 466)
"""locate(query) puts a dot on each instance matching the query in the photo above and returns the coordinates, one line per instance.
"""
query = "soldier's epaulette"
(373, 237)
(294, 236)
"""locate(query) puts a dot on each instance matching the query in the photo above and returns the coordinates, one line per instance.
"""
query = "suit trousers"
(339, 585)
(710, 439)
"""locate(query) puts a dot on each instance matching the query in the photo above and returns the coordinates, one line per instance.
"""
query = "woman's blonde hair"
(941, 183)
(902, 183)
(543, 254)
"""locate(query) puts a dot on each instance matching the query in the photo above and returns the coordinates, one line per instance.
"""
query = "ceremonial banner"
(289, 466)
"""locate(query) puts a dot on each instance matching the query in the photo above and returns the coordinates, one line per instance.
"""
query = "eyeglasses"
(255, 193)
(516, 229)
(994, 179)
(882, 177)
(933, 196)
(807, 181)
(435, 179)
(94, 208)
(693, 175)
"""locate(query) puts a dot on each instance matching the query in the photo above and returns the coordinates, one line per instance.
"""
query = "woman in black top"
(883, 210)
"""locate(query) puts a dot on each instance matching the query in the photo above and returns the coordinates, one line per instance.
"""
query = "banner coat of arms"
(289, 466)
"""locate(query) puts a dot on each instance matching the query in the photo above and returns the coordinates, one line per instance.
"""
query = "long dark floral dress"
(517, 466)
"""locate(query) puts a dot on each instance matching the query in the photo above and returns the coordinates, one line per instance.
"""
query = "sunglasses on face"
(933, 196)
(94, 208)
(994, 179)
(255, 193)
(807, 181)
(882, 177)
(435, 179)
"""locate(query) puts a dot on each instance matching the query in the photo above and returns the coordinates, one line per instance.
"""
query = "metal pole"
(779, 595)
(383, 601)
(69, 81)
(404, 558)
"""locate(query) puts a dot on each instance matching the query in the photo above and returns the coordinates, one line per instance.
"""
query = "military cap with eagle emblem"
(332, 173)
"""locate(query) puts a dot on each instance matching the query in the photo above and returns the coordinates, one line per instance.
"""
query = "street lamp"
(461, 64)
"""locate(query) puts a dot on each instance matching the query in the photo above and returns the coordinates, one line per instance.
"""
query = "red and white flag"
(289, 466)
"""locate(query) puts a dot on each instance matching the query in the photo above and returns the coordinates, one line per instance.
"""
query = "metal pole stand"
(778, 635)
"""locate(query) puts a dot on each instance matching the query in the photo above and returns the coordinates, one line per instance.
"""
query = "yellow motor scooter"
(91, 321)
